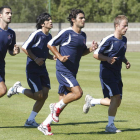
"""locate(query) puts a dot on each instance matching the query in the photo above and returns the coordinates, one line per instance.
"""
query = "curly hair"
(41, 19)
(73, 14)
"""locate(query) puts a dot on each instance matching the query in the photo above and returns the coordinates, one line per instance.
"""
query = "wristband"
(35, 58)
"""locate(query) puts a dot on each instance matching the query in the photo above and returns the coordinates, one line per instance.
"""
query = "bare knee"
(116, 100)
(3, 91)
(79, 94)
(39, 95)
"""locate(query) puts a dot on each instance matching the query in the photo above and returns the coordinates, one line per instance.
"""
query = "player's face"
(122, 27)
(6, 15)
(80, 20)
(48, 23)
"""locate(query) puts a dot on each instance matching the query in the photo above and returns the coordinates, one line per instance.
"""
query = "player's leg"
(3, 88)
(115, 96)
(41, 83)
(45, 126)
(91, 102)
(56, 109)
(37, 107)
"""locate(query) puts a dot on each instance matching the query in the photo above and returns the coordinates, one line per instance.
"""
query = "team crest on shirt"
(9, 37)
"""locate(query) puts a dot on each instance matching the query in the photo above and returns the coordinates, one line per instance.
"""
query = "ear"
(73, 20)
(43, 24)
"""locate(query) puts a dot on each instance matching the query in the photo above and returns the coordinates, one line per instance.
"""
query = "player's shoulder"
(37, 32)
(109, 37)
(11, 30)
(124, 38)
(83, 33)
(65, 31)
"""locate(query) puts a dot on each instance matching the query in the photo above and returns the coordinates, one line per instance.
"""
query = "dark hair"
(1, 8)
(41, 19)
(73, 14)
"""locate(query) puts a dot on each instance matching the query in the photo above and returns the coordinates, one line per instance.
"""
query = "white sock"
(32, 115)
(60, 104)
(95, 101)
(110, 120)
(21, 90)
(48, 120)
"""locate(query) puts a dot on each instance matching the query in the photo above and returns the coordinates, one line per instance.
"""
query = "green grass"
(73, 125)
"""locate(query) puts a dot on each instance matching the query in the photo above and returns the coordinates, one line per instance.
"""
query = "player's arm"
(15, 50)
(51, 57)
(38, 61)
(128, 65)
(93, 47)
(57, 54)
(101, 57)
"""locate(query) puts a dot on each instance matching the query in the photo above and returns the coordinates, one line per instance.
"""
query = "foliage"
(95, 10)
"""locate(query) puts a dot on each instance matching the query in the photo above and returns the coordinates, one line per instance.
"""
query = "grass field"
(73, 125)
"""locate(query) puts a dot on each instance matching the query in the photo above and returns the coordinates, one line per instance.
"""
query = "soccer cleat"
(112, 129)
(45, 129)
(55, 112)
(87, 104)
(13, 90)
(31, 123)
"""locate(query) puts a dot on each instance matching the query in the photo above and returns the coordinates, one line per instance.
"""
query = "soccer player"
(37, 76)
(72, 42)
(7, 42)
(111, 53)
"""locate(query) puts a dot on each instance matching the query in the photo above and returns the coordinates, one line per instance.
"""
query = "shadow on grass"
(16, 127)
(100, 132)
(93, 122)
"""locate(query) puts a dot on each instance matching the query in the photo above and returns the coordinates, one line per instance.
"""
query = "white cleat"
(87, 104)
(13, 90)
(55, 112)
(112, 129)
(45, 129)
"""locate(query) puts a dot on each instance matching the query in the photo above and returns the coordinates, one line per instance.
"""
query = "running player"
(72, 42)
(37, 76)
(111, 53)
(7, 42)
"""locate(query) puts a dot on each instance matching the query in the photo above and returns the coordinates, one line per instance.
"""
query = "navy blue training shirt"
(37, 43)
(7, 42)
(112, 47)
(70, 43)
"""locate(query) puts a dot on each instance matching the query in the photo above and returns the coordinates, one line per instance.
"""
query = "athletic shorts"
(2, 76)
(111, 87)
(66, 80)
(37, 81)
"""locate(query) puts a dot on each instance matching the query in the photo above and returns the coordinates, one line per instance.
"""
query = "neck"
(117, 35)
(4, 26)
(45, 31)
(76, 29)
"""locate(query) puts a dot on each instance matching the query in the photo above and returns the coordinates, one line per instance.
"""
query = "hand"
(16, 49)
(64, 58)
(39, 61)
(94, 46)
(111, 60)
(128, 65)
(54, 58)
